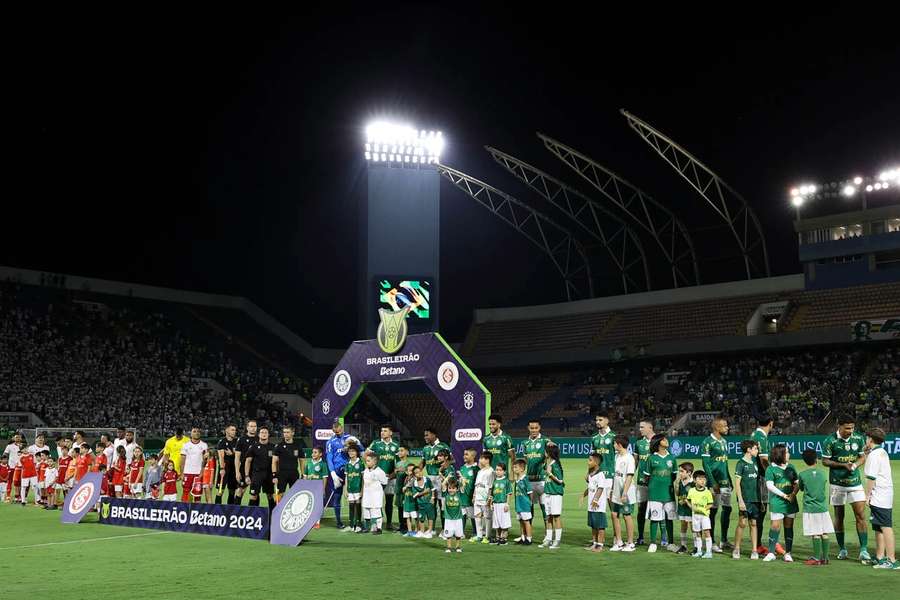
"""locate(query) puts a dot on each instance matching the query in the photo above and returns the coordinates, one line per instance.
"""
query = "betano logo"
(324, 434)
(467, 435)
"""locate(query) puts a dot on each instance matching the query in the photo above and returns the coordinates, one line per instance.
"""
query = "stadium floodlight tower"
(400, 226)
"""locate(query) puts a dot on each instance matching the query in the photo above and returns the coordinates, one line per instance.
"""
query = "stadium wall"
(731, 289)
(319, 356)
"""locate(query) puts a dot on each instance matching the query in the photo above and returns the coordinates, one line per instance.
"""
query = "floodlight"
(794, 191)
(848, 191)
(869, 188)
(877, 186)
(797, 201)
(857, 180)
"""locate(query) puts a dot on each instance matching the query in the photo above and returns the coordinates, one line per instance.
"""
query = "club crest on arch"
(391, 334)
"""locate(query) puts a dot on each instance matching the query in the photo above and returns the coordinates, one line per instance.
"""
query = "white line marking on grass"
(112, 537)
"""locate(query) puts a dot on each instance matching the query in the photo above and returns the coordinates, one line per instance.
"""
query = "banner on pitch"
(250, 522)
(82, 498)
(297, 512)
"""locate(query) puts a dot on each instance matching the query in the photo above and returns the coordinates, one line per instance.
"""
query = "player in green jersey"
(761, 436)
(522, 490)
(661, 470)
(714, 452)
(386, 450)
(843, 452)
(683, 484)
(432, 463)
(498, 443)
(642, 450)
(535, 447)
(746, 486)
(467, 474)
(453, 527)
(603, 443)
(353, 477)
(816, 522)
(399, 480)
(554, 488)
(316, 468)
(781, 481)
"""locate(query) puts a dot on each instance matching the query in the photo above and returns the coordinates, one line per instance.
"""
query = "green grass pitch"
(41, 556)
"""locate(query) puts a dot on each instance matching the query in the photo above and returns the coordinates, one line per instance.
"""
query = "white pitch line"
(112, 537)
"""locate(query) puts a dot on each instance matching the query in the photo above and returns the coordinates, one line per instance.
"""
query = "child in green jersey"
(596, 490)
(424, 495)
(661, 470)
(408, 493)
(746, 486)
(453, 529)
(522, 489)
(399, 482)
(554, 488)
(683, 485)
(353, 473)
(499, 503)
(467, 474)
(816, 520)
(781, 481)
(316, 469)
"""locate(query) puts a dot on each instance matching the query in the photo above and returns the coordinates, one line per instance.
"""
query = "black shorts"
(753, 512)
(261, 482)
(230, 481)
(880, 517)
(286, 480)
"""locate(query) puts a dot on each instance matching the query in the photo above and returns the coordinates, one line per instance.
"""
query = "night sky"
(221, 152)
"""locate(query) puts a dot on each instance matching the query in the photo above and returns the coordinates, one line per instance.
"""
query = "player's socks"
(712, 521)
(840, 539)
(825, 544)
(479, 528)
(698, 544)
(654, 526)
(773, 539)
(254, 501)
(218, 498)
(760, 521)
(709, 544)
(725, 520)
(670, 531)
(337, 514)
(558, 535)
(788, 539)
(817, 548)
(641, 518)
(389, 513)
(863, 539)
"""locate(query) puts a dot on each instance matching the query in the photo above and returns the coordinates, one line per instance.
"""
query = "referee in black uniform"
(258, 469)
(240, 453)
(227, 474)
(286, 460)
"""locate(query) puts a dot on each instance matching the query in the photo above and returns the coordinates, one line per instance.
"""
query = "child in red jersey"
(83, 462)
(40, 495)
(104, 481)
(64, 465)
(50, 476)
(100, 460)
(118, 472)
(136, 474)
(29, 475)
(5, 475)
(209, 476)
(170, 483)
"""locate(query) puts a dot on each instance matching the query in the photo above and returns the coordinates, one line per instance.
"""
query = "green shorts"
(753, 512)
(597, 520)
(426, 513)
(622, 509)
(880, 517)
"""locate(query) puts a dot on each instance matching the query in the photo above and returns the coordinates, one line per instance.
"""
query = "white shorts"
(525, 516)
(780, 516)
(28, 482)
(388, 489)
(641, 493)
(118, 488)
(481, 510)
(371, 513)
(436, 483)
(723, 498)
(60, 487)
(42, 485)
(453, 528)
(3, 489)
(700, 523)
(553, 505)
(841, 495)
(501, 518)
(170, 497)
(660, 511)
(353, 497)
(686, 518)
(410, 514)
(817, 523)
(469, 511)
(136, 488)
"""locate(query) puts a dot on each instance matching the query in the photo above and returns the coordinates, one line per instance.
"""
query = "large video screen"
(397, 293)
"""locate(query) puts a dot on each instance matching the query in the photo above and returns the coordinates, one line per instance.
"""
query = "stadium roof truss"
(615, 236)
(667, 230)
(724, 200)
(565, 251)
